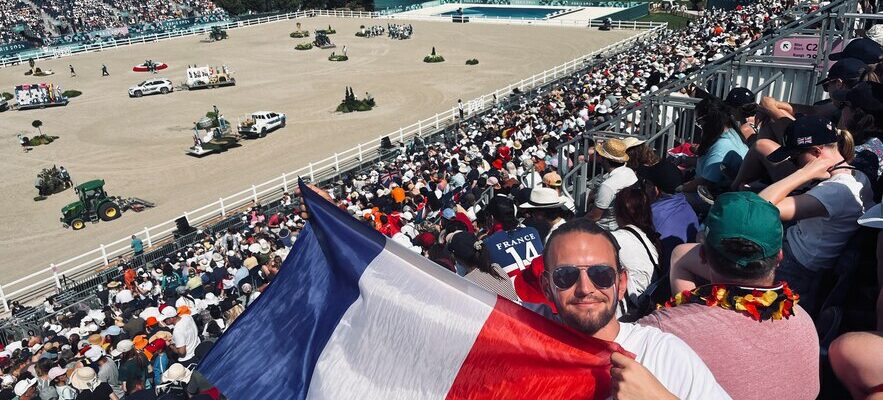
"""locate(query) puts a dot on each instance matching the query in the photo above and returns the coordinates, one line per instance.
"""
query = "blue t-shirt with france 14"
(514, 250)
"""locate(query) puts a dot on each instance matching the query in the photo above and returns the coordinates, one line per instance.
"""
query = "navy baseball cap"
(804, 132)
(865, 95)
(739, 97)
(864, 49)
(845, 69)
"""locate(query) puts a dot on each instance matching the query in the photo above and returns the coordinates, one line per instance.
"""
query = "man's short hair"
(581, 225)
(757, 269)
(743, 235)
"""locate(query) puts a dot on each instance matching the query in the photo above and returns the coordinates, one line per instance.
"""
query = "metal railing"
(48, 280)
(666, 117)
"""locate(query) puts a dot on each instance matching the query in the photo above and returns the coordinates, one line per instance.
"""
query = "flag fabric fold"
(353, 315)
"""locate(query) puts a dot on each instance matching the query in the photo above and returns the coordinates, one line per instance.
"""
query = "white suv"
(151, 86)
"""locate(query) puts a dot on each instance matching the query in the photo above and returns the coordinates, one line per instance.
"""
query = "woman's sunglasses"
(565, 276)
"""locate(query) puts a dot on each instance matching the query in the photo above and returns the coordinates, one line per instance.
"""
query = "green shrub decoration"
(473, 61)
(304, 46)
(6, 96)
(433, 58)
(329, 31)
(338, 57)
(71, 93)
(41, 140)
(299, 34)
(360, 34)
(350, 103)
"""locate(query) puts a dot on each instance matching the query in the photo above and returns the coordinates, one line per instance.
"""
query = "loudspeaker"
(184, 227)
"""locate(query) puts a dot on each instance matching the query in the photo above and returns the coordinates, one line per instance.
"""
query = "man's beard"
(586, 323)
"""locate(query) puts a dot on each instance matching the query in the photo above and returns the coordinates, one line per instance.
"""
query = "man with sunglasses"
(585, 280)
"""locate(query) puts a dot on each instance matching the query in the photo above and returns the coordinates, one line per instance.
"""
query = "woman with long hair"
(638, 240)
(721, 148)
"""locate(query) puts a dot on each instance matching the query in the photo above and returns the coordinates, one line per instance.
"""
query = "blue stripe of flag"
(271, 350)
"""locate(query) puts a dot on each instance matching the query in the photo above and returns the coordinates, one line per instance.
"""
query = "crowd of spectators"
(76, 18)
(737, 249)
(16, 18)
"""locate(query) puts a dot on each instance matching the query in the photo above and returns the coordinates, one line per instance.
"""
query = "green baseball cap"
(744, 215)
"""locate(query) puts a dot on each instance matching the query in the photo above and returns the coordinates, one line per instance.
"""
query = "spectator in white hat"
(26, 389)
(86, 381)
(613, 159)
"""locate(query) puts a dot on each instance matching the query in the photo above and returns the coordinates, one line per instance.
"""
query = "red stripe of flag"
(520, 355)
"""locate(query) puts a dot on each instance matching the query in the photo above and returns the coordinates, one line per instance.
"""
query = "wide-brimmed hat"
(23, 385)
(873, 218)
(265, 247)
(632, 142)
(113, 285)
(83, 378)
(543, 197)
(177, 373)
(164, 335)
(613, 149)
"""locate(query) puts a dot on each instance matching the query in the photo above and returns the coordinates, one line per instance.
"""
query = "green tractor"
(217, 33)
(94, 204)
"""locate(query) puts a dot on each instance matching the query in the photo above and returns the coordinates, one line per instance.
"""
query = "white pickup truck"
(259, 123)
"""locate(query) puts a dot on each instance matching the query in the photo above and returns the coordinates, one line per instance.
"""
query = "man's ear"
(547, 286)
(623, 283)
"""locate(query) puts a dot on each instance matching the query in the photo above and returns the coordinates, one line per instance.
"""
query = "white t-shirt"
(616, 180)
(634, 256)
(671, 361)
(186, 334)
(818, 242)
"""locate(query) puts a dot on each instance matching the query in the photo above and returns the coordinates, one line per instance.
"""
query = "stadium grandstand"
(734, 176)
(45, 22)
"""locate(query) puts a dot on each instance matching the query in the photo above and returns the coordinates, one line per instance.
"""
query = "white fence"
(48, 280)
(594, 23)
(87, 48)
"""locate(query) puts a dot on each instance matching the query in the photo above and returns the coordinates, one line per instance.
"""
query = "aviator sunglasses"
(565, 276)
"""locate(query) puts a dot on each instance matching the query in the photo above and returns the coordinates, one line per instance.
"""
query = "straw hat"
(176, 373)
(83, 378)
(632, 142)
(613, 150)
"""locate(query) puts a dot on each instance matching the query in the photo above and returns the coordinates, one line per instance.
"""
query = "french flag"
(353, 315)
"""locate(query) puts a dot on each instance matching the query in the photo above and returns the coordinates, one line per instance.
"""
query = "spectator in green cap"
(742, 316)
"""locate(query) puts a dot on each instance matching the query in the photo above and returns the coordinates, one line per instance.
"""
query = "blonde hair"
(846, 145)
(232, 314)
(873, 73)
